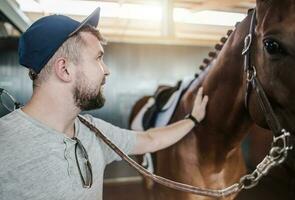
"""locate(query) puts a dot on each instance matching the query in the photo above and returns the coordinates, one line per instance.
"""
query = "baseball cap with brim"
(42, 39)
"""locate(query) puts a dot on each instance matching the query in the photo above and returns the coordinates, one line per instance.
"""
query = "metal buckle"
(251, 73)
(281, 146)
(247, 44)
(277, 155)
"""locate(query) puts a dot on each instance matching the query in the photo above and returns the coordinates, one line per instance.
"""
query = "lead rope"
(277, 155)
(163, 181)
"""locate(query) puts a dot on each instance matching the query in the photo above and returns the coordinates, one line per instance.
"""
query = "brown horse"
(210, 155)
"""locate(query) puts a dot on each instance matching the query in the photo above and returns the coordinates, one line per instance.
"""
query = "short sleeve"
(123, 138)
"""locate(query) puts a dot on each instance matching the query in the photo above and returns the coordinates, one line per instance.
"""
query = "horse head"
(273, 55)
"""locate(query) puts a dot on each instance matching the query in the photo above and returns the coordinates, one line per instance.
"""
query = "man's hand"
(159, 138)
(199, 109)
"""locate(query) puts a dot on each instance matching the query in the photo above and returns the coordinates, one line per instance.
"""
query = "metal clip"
(251, 73)
(247, 44)
(281, 146)
(248, 181)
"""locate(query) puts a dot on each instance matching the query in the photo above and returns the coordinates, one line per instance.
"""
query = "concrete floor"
(132, 190)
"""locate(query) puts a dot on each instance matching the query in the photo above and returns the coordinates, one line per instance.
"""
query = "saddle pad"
(137, 122)
(166, 113)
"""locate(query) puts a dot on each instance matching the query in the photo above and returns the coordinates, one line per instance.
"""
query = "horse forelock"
(272, 12)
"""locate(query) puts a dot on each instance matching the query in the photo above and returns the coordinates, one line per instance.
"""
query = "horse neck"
(226, 88)
(227, 120)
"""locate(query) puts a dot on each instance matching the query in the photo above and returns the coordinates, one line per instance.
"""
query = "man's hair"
(70, 49)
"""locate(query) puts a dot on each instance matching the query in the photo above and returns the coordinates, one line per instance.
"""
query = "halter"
(253, 83)
(281, 138)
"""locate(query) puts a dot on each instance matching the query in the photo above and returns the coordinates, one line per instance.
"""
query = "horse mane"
(212, 55)
(218, 47)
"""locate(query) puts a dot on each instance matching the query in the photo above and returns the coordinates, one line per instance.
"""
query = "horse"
(210, 155)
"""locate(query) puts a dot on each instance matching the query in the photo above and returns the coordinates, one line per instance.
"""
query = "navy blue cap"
(42, 39)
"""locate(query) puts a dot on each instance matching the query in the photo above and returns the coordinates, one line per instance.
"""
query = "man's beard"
(86, 98)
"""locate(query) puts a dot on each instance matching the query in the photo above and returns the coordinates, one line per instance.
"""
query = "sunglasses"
(8, 101)
(87, 180)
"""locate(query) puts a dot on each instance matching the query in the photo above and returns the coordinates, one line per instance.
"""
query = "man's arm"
(159, 138)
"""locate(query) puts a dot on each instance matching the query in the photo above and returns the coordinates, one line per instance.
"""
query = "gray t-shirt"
(38, 162)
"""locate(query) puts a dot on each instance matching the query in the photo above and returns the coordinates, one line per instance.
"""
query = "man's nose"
(106, 70)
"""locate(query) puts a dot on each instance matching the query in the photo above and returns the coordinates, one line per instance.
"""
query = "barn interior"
(150, 43)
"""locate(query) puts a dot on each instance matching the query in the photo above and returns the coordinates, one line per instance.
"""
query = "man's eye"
(273, 47)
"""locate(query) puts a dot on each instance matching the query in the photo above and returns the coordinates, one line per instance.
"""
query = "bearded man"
(46, 151)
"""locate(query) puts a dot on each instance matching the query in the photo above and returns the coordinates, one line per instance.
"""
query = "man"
(44, 145)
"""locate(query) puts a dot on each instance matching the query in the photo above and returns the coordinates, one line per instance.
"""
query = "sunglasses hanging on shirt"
(8, 101)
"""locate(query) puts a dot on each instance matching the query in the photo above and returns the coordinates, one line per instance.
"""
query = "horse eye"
(272, 47)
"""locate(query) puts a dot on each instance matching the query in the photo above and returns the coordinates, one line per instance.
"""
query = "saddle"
(157, 112)
(161, 97)
(160, 107)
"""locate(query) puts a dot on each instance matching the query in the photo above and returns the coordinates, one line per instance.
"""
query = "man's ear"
(62, 69)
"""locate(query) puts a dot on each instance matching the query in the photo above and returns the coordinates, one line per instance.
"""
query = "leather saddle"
(161, 96)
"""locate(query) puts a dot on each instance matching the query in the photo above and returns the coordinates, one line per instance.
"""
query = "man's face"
(91, 73)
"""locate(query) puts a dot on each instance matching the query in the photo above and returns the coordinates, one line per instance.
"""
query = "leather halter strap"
(254, 83)
(247, 54)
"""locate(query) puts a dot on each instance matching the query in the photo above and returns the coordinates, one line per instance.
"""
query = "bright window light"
(29, 6)
(145, 12)
(207, 17)
(108, 9)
